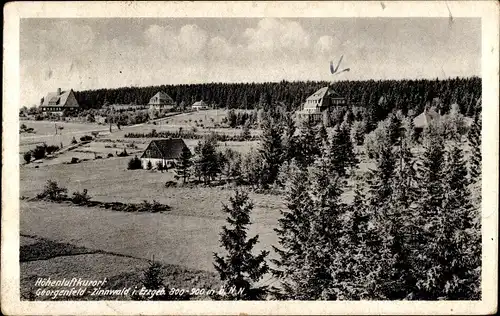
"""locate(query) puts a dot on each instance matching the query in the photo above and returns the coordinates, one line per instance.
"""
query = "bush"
(53, 192)
(75, 160)
(73, 141)
(170, 184)
(51, 149)
(80, 198)
(134, 163)
(110, 155)
(27, 156)
(86, 138)
(149, 165)
(123, 153)
(39, 151)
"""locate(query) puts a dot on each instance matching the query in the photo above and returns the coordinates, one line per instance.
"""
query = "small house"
(423, 120)
(163, 151)
(319, 102)
(57, 102)
(199, 105)
(161, 101)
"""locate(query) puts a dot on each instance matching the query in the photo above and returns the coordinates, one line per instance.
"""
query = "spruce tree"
(183, 167)
(429, 214)
(307, 147)
(207, 165)
(474, 137)
(459, 248)
(289, 139)
(324, 254)
(293, 235)
(239, 268)
(271, 151)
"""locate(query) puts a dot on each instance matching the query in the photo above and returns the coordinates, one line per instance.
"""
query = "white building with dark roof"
(57, 102)
(319, 102)
(161, 101)
(199, 105)
(164, 151)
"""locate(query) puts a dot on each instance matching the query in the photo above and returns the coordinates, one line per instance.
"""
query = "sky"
(94, 53)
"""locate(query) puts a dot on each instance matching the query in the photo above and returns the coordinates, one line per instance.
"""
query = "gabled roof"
(323, 92)
(425, 118)
(199, 103)
(57, 100)
(163, 98)
(165, 148)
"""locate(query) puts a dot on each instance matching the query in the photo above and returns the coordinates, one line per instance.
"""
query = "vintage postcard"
(250, 157)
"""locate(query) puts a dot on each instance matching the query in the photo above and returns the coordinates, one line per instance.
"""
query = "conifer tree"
(289, 139)
(474, 137)
(271, 151)
(183, 167)
(207, 165)
(239, 268)
(293, 235)
(307, 147)
(429, 214)
(459, 246)
(324, 254)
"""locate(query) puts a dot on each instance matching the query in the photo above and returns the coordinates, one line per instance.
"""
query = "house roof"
(163, 98)
(199, 103)
(165, 148)
(425, 118)
(57, 100)
(323, 92)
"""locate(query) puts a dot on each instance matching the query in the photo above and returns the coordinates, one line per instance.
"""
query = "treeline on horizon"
(381, 97)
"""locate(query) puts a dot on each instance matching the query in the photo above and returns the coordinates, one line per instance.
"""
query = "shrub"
(51, 149)
(134, 163)
(53, 192)
(110, 155)
(75, 160)
(73, 141)
(86, 138)
(27, 156)
(149, 165)
(80, 198)
(95, 134)
(39, 151)
(170, 184)
(123, 153)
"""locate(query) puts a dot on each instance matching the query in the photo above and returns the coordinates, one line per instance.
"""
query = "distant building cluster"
(57, 102)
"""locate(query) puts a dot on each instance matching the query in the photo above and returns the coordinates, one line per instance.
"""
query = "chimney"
(58, 91)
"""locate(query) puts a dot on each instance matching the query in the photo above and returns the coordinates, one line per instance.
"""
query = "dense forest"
(380, 97)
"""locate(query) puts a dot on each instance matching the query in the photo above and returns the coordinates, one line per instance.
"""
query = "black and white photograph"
(253, 156)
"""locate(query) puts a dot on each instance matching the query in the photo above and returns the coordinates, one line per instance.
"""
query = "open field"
(68, 261)
(187, 241)
(109, 180)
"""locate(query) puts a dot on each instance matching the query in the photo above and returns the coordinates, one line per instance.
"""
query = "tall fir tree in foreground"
(325, 251)
(239, 268)
(183, 167)
(293, 234)
(429, 214)
(459, 257)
